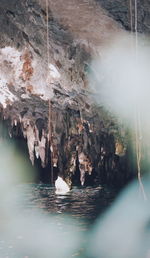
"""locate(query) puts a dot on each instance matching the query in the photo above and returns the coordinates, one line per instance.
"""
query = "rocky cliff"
(45, 52)
(125, 12)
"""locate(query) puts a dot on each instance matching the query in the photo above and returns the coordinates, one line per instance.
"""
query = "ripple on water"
(83, 205)
(80, 203)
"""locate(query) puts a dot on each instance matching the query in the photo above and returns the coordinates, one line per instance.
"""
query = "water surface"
(82, 205)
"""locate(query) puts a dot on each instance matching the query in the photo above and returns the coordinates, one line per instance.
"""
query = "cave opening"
(113, 170)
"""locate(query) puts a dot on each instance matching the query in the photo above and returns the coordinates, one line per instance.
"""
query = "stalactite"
(42, 149)
(30, 142)
(119, 149)
(37, 151)
(77, 151)
(72, 166)
(84, 166)
(15, 122)
(53, 158)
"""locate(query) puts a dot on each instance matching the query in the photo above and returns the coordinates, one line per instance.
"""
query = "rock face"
(45, 51)
(124, 13)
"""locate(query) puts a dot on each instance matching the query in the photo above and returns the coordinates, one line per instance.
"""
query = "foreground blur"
(36, 235)
(121, 78)
(122, 232)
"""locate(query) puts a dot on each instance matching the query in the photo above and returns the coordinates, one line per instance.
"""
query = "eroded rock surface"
(45, 51)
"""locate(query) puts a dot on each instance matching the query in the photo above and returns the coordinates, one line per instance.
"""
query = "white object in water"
(61, 186)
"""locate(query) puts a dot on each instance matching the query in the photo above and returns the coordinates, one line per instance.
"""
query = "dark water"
(80, 203)
(83, 205)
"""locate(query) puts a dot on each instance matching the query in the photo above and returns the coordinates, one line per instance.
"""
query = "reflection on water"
(68, 215)
(80, 203)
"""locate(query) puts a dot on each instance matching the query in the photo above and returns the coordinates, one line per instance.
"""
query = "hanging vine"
(47, 32)
(50, 140)
(131, 16)
(138, 142)
(138, 132)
